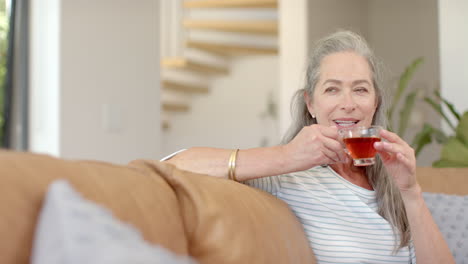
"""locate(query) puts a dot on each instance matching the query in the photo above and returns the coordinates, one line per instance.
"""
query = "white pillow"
(72, 230)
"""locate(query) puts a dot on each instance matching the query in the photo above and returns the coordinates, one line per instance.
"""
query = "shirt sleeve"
(168, 157)
(268, 184)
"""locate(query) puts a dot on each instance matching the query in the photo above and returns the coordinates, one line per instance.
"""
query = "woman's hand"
(399, 159)
(315, 145)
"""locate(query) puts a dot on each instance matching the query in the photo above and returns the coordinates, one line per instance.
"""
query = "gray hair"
(389, 199)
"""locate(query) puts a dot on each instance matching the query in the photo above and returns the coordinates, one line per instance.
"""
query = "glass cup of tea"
(359, 143)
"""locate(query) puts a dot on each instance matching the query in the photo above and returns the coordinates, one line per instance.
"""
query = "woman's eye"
(331, 89)
(361, 90)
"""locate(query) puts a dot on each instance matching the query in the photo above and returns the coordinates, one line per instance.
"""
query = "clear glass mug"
(359, 142)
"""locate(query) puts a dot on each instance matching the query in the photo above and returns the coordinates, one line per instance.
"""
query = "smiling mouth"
(345, 123)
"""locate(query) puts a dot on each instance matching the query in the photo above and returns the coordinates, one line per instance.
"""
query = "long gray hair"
(389, 199)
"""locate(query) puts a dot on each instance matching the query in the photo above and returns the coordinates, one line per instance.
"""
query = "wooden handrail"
(252, 27)
(231, 4)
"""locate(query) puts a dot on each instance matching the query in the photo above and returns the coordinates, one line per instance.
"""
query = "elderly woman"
(373, 214)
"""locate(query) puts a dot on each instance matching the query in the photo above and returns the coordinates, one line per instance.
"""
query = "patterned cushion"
(450, 212)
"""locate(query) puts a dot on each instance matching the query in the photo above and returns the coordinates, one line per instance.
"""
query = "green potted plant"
(409, 102)
(454, 146)
(454, 151)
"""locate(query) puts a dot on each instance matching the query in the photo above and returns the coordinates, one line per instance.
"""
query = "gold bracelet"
(232, 165)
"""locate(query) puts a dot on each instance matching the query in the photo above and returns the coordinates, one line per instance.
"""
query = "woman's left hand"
(399, 159)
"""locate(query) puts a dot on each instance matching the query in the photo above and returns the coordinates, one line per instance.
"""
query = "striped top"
(340, 219)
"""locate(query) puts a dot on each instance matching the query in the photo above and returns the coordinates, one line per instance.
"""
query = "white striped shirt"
(340, 219)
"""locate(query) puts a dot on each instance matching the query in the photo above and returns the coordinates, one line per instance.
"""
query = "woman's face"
(344, 95)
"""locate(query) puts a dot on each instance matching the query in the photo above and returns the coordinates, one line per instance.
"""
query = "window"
(4, 21)
(14, 103)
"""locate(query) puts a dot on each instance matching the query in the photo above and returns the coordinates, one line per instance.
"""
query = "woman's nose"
(348, 104)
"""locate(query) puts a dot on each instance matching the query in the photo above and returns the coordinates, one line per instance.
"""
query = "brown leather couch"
(213, 220)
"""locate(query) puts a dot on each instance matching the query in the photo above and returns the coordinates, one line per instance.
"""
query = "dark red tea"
(361, 147)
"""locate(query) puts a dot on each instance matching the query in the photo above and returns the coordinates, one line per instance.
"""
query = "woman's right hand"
(315, 145)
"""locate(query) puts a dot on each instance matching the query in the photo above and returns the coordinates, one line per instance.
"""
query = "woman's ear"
(308, 102)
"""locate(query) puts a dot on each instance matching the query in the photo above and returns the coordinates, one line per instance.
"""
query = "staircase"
(200, 37)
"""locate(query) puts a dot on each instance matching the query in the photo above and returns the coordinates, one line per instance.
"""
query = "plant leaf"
(405, 77)
(439, 135)
(462, 129)
(405, 113)
(454, 150)
(449, 105)
(422, 138)
(438, 108)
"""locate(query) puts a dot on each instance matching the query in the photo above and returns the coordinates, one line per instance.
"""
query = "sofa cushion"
(133, 194)
(228, 222)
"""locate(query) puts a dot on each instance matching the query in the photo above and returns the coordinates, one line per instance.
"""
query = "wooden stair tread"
(175, 107)
(184, 87)
(231, 4)
(230, 49)
(183, 63)
(269, 27)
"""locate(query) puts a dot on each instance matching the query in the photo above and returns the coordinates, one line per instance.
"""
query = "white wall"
(400, 31)
(293, 49)
(327, 16)
(230, 115)
(44, 108)
(453, 43)
(109, 81)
